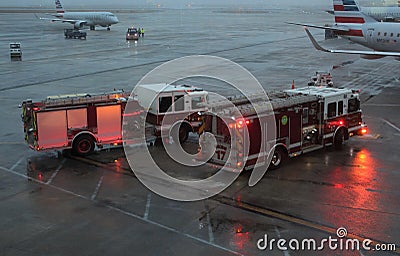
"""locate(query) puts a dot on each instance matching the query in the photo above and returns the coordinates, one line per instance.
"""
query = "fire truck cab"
(306, 119)
(179, 104)
(78, 121)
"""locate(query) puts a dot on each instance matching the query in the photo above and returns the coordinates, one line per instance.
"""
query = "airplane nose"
(116, 20)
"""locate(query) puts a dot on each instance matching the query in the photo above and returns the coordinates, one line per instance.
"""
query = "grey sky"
(172, 3)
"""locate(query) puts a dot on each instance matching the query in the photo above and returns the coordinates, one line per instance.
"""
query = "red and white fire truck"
(306, 119)
(84, 121)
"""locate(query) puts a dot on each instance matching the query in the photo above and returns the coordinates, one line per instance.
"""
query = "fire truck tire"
(83, 145)
(183, 134)
(339, 138)
(278, 158)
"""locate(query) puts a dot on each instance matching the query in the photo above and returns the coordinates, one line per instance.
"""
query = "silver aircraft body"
(383, 38)
(80, 19)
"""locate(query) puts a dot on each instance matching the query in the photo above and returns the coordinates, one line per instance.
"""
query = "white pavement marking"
(17, 163)
(56, 172)
(96, 191)
(146, 212)
(210, 232)
(392, 125)
(125, 213)
(286, 253)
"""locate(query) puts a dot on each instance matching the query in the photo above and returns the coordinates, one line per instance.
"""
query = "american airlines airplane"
(382, 37)
(80, 19)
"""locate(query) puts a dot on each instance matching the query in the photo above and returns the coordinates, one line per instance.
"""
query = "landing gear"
(92, 28)
(108, 28)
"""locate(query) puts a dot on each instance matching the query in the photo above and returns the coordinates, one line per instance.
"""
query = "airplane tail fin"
(348, 12)
(60, 10)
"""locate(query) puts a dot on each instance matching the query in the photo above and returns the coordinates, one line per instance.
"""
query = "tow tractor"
(83, 121)
(307, 119)
(74, 33)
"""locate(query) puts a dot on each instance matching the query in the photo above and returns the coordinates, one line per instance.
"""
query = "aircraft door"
(370, 36)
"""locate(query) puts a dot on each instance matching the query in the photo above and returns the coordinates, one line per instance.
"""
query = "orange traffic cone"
(293, 85)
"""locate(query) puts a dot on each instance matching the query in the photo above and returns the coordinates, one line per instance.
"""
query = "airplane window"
(398, 35)
(385, 34)
(379, 33)
(391, 34)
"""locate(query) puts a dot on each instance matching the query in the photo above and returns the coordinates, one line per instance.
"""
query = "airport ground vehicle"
(84, 121)
(15, 51)
(306, 119)
(321, 78)
(173, 102)
(74, 33)
(132, 34)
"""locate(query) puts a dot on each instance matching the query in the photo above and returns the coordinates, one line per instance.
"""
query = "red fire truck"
(306, 119)
(84, 121)
(78, 121)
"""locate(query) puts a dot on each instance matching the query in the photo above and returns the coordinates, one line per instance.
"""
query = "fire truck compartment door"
(109, 123)
(77, 118)
(52, 129)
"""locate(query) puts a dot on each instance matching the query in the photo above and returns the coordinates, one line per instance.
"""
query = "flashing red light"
(239, 164)
(364, 131)
(341, 122)
(35, 109)
(240, 123)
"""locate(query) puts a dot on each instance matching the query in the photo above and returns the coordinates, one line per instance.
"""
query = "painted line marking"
(125, 212)
(146, 212)
(56, 172)
(17, 163)
(285, 252)
(96, 191)
(392, 125)
(210, 232)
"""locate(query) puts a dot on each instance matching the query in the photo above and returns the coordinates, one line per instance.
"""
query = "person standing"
(139, 31)
(142, 31)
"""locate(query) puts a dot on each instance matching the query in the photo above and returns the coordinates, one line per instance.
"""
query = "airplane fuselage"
(378, 36)
(103, 19)
(382, 13)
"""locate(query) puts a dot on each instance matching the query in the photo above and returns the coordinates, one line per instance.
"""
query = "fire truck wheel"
(83, 145)
(278, 158)
(183, 134)
(339, 139)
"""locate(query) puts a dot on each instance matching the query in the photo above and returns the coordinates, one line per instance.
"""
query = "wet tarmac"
(57, 204)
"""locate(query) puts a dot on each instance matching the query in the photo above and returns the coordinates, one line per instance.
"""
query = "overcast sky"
(170, 3)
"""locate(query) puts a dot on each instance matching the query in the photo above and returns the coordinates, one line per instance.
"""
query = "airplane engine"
(371, 57)
(79, 24)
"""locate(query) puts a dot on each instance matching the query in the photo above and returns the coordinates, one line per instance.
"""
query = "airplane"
(80, 19)
(382, 37)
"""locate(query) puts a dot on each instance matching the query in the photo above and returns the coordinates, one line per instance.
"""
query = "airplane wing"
(334, 27)
(81, 22)
(369, 53)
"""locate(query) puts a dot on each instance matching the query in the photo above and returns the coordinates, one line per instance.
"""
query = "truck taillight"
(35, 109)
(364, 131)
